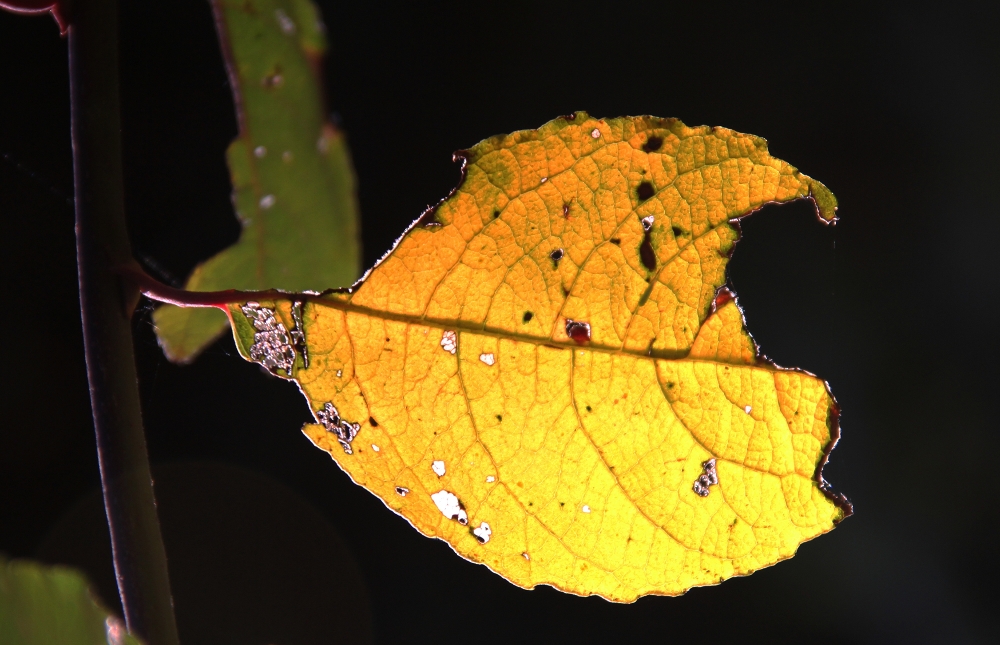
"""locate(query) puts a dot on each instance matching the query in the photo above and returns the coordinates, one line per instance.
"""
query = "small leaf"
(293, 186)
(554, 374)
(40, 605)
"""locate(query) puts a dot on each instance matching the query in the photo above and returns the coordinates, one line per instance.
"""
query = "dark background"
(894, 107)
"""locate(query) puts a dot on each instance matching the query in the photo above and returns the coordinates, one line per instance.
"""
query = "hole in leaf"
(646, 253)
(578, 331)
(652, 144)
(645, 191)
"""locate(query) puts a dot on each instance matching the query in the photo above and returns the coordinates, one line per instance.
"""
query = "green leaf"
(42, 605)
(293, 184)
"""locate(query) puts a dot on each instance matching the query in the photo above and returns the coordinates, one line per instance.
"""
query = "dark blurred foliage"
(893, 107)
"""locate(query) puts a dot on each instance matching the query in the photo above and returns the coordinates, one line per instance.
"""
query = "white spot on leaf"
(489, 359)
(267, 201)
(450, 507)
(449, 341)
(286, 24)
(340, 373)
(526, 556)
(595, 133)
(375, 448)
(483, 533)
(585, 509)
(647, 222)
(438, 468)
(544, 179)
(259, 152)
(747, 409)
(490, 479)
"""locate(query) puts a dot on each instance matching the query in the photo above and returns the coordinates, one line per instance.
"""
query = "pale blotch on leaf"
(286, 23)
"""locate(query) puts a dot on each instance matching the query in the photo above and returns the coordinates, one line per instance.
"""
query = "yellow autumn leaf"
(547, 373)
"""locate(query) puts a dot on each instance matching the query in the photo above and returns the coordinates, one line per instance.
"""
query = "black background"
(894, 107)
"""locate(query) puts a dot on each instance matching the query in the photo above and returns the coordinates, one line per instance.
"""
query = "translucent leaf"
(42, 605)
(547, 372)
(293, 186)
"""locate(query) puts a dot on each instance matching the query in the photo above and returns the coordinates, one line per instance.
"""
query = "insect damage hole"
(272, 344)
(298, 333)
(707, 478)
(450, 507)
(483, 533)
(578, 331)
(489, 359)
(586, 508)
(438, 468)
(646, 253)
(645, 191)
(652, 144)
(555, 256)
(343, 430)
(449, 341)
(401, 491)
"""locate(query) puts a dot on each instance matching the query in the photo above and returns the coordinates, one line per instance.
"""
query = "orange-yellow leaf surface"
(545, 373)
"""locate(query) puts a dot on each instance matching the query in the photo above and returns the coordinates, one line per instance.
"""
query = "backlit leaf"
(41, 605)
(293, 186)
(546, 373)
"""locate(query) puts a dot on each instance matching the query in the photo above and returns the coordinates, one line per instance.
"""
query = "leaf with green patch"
(42, 605)
(293, 185)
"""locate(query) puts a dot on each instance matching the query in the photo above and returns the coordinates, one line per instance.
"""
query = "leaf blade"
(605, 457)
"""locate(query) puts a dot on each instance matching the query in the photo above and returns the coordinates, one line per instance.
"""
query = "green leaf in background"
(40, 605)
(293, 185)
